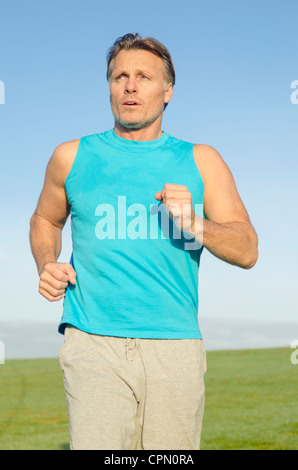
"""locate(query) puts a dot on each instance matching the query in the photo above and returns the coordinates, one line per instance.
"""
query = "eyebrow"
(138, 72)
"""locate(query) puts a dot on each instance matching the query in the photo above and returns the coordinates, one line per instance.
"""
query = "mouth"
(131, 104)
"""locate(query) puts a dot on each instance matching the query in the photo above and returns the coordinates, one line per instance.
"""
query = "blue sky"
(235, 61)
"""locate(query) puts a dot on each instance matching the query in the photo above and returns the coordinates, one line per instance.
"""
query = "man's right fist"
(54, 280)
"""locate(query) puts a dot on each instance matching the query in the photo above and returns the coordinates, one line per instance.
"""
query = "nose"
(130, 85)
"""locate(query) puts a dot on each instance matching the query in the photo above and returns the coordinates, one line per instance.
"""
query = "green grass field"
(251, 403)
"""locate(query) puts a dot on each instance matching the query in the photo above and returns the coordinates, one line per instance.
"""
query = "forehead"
(136, 59)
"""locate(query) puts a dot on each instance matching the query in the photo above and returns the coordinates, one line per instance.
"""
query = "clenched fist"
(178, 204)
(54, 280)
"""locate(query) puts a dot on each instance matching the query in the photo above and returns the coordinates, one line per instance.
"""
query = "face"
(138, 90)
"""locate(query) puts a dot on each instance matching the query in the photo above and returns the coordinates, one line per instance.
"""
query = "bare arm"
(45, 240)
(227, 230)
(47, 223)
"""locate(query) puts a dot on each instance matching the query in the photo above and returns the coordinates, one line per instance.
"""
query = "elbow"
(253, 258)
(38, 218)
(253, 251)
(32, 220)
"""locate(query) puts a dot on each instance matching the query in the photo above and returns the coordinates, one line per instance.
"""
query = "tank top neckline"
(134, 145)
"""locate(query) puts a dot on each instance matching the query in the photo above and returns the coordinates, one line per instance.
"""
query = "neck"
(146, 133)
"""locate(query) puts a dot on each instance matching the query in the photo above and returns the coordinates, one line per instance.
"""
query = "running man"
(143, 206)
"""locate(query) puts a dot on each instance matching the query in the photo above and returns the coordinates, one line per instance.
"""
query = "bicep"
(222, 202)
(53, 203)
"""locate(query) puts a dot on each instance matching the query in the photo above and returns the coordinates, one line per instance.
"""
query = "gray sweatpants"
(129, 393)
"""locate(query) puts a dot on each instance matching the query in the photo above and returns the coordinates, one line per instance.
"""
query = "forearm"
(45, 241)
(233, 242)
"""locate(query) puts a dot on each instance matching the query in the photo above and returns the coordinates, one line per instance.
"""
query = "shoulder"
(206, 153)
(66, 150)
(209, 161)
(62, 160)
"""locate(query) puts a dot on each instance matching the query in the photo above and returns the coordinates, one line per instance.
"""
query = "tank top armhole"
(74, 164)
(197, 172)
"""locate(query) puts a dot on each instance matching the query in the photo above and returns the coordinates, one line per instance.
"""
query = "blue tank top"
(137, 273)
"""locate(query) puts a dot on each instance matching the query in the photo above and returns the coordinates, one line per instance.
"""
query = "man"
(143, 204)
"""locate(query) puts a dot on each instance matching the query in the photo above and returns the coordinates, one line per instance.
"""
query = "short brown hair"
(135, 41)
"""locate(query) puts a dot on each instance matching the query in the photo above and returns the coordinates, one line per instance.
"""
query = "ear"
(168, 93)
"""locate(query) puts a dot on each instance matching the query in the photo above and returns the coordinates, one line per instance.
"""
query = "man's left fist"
(178, 204)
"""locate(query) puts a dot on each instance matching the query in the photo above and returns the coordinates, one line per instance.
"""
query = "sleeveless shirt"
(137, 273)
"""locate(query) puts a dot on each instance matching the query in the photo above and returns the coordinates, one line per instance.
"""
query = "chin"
(131, 125)
(136, 124)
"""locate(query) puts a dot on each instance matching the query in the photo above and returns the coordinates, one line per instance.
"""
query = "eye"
(143, 76)
(121, 76)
